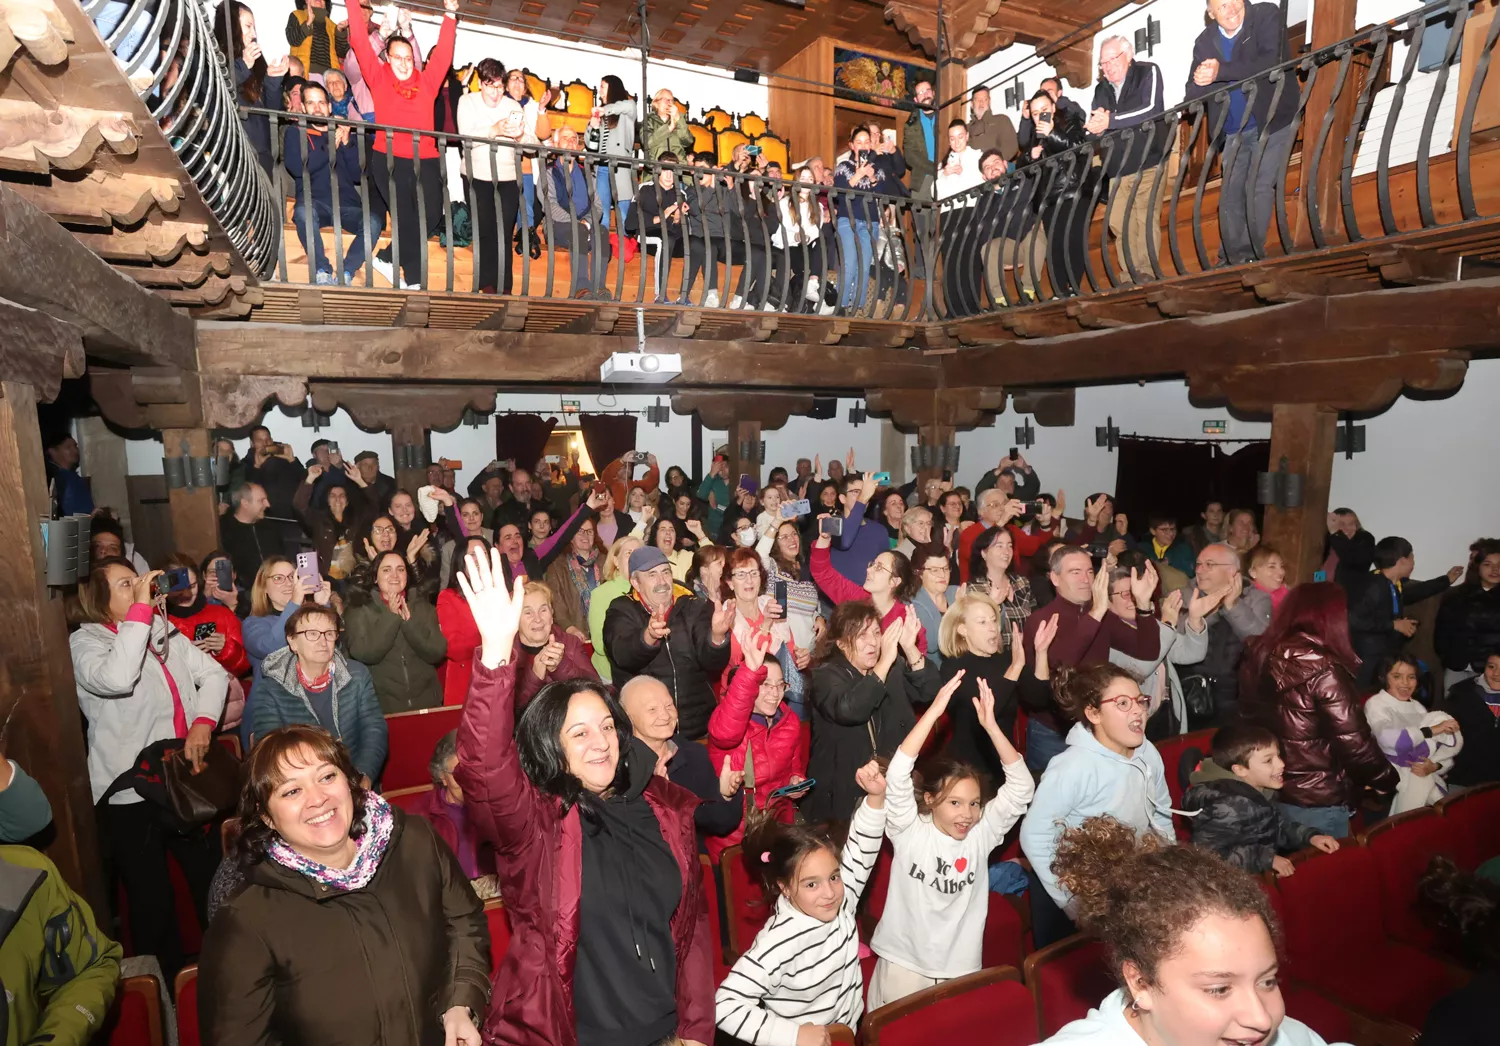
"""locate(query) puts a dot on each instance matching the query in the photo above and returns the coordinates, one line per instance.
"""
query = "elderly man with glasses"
(1211, 686)
(1130, 95)
(311, 681)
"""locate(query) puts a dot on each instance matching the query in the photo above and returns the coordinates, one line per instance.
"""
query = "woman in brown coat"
(1297, 681)
(355, 925)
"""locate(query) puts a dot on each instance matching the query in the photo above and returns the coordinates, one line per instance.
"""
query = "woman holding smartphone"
(1066, 191)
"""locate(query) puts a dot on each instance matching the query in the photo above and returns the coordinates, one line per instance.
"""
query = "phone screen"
(203, 630)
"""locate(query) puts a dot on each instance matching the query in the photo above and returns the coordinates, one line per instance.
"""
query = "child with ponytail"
(1191, 940)
(932, 928)
(802, 972)
(1108, 767)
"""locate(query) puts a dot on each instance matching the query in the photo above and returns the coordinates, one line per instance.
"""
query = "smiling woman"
(331, 870)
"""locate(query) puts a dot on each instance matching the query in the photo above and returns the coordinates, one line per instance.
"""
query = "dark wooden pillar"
(408, 478)
(1302, 434)
(37, 691)
(934, 434)
(195, 510)
(744, 434)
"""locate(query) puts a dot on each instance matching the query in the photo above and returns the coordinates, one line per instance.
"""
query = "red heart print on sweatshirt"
(961, 864)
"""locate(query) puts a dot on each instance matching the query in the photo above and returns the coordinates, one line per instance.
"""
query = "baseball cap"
(647, 557)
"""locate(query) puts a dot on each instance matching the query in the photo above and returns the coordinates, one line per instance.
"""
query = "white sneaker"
(736, 302)
(814, 289)
(827, 310)
(410, 286)
(711, 300)
(385, 269)
(769, 307)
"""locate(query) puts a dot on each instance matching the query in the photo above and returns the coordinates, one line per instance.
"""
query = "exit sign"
(1215, 428)
(570, 406)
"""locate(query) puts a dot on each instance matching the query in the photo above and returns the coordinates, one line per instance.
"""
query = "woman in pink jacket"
(752, 725)
(596, 853)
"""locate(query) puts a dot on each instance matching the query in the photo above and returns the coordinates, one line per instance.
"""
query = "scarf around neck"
(367, 858)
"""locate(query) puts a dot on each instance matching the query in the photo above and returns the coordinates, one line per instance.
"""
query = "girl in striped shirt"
(802, 972)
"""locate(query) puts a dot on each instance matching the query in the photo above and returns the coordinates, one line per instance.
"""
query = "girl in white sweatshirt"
(802, 972)
(932, 928)
(1190, 939)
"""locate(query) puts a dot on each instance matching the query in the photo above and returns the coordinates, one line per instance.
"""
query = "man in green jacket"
(59, 972)
(919, 147)
(665, 129)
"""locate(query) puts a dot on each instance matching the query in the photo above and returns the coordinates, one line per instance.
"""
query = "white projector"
(640, 368)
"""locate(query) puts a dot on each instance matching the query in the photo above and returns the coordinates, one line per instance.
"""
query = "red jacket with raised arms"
(539, 856)
(776, 751)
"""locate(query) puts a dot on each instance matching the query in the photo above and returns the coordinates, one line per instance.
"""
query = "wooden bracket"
(721, 410)
(1412, 265)
(101, 200)
(509, 317)
(1101, 316)
(598, 321)
(160, 242)
(683, 324)
(414, 311)
(383, 407)
(193, 271)
(310, 306)
(1370, 384)
(36, 139)
(1175, 302)
(1283, 285)
(1039, 323)
(911, 409)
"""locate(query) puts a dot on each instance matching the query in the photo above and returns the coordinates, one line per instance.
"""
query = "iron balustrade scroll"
(744, 240)
(997, 240)
(167, 51)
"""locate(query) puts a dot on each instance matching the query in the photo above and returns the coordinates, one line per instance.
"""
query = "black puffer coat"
(688, 662)
(1468, 627)
(1309, 702)
(1239, 822)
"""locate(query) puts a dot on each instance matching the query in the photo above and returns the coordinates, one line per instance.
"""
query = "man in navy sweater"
(1244, 41)
(319, 147)
(1130, 95)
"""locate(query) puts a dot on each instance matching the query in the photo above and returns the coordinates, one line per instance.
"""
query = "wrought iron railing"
(167, 50)
(1174, 194)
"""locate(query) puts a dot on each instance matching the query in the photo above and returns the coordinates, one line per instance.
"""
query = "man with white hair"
(1129, 95)
(996, 508)
(1212, 685)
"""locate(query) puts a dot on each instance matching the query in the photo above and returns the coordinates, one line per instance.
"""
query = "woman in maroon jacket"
(545, 652)
(597, 857)
(1297, 680)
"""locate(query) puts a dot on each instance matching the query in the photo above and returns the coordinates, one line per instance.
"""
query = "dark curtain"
(607, 436)
(1178, 479)
(522, 437)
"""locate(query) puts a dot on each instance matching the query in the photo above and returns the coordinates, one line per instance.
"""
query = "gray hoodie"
(1177, 648)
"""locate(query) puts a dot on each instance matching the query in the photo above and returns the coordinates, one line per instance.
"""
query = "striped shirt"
(801, 970)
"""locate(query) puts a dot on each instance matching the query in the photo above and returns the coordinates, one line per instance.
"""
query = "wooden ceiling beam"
(44, 267)
(1173, 302)
(192, 271)
(36, 140)
(335, 353)
(39, 350)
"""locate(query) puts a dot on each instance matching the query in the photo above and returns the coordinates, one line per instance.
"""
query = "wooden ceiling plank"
(101, 200)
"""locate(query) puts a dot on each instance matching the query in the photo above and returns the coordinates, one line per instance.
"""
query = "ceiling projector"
(640, 368)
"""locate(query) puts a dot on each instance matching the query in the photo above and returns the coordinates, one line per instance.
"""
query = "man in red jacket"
(1086, 632)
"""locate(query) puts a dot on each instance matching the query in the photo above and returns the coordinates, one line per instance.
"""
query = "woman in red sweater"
(457, 624)
(213, 629)
(404, 97)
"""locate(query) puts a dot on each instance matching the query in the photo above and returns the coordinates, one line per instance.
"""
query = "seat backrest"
(839, 1035)
(753, 124)
(1171, 750)
(411, 738)
(879, 885)
(231, 741)
(535, 85)
(186, 994)
(718, 119)
(579, 98)
(1067, 979)
(725, 143)
(703, 140)
(135, 1018)
(748, 910)
(406, 798)
(991, 1006)
(1403, 845)
(1004, 932)
(1330, 910)
(710, 887)
(1473, 816)
(775, 151)
(499, 923)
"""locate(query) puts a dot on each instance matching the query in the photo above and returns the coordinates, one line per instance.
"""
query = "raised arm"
(835, 586)
(506, 807)
(900, 794)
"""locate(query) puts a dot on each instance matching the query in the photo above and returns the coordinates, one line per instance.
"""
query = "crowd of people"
(651, 666)
(837, 234)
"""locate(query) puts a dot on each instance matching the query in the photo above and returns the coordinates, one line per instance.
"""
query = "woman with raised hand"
(597, 855)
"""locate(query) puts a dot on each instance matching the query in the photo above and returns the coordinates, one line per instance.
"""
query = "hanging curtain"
(607, 436)
(522, 437)
(1157, 477)
(1235, 475)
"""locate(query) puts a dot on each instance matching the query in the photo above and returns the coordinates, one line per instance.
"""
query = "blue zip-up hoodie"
(1088, 780)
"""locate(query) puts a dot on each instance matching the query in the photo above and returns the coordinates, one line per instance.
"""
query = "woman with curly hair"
(1192, 943)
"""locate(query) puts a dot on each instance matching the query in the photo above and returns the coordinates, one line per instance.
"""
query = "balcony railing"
(167, 50)
(1277, 165)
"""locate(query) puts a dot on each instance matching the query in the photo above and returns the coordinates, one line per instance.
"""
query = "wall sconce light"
(185, 472)
(1107, 435)
(752, 450)
(858, 415)
(411, 456)
(1280, 489)
(659, 413)
(1348, 438)
(1149, 36)
(1025, 435)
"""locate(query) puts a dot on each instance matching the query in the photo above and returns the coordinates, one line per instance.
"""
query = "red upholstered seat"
(1473, 821)
(499, 922)
(412, 737)
(135, 1018)
(879, 884)
(1171, 750)
(1003, 931)
(991, 1006)
(186, 995)
(1403, 845)
(1336, 940)
(745, 901)
(1067, 979)
(407, 798)
(189, 933)
(710, 887)
(1322, 1015)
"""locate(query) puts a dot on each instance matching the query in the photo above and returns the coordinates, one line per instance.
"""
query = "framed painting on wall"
(875, 78)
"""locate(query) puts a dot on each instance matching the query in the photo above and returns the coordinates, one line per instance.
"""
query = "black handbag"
(163, 776)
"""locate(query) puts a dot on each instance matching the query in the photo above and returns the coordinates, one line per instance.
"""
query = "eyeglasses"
(877, 567)
(940, 567)
(746, 575)
(774, 687)
(1214, 563)
(382, 530)
(319, 635)
(1124, 703)
(1120, 593)
(280, 579)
